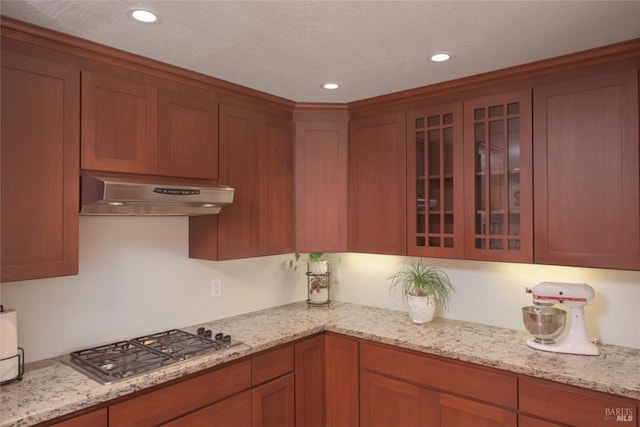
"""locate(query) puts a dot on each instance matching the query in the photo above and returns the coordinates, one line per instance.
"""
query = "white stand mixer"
(575, 296)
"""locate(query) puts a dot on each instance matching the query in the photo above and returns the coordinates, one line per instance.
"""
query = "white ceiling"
(290, 48)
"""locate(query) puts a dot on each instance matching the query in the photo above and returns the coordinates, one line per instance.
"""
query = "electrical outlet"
(335, 274)
(216, 288)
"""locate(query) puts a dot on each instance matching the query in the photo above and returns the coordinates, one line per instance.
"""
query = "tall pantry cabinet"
(40, 167)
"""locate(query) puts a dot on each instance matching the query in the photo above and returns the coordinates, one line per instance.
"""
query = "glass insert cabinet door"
(498, 178)
(435, 181)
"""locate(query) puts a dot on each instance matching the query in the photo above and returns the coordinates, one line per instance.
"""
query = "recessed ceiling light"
(439, 57)
(331, 86)
(145, 16)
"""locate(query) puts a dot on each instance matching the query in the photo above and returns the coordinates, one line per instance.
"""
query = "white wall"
(136, 278)
(493, 293)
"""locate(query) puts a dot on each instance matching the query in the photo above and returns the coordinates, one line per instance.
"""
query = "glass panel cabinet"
(498, 178)
(435, 192)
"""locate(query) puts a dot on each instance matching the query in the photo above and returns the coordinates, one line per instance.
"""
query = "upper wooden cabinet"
(586, 152)
(435, 193)
(498, 172)
(188, 133)
(40, 173)
(377, 184)
(256, 159)
(321, 149)
(134, 123)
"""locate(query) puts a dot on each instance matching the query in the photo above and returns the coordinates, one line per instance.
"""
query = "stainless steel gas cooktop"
(123, 360)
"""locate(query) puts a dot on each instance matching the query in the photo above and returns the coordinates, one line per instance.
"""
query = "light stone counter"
(51, 388)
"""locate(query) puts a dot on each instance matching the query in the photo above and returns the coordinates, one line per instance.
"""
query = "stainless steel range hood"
(118, 196)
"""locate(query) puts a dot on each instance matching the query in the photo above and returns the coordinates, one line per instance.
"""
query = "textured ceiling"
(290, 48)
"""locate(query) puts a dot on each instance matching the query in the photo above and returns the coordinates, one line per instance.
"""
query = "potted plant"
(423, 288)
(317, 277)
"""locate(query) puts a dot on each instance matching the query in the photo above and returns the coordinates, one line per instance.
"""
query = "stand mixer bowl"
(544, 323)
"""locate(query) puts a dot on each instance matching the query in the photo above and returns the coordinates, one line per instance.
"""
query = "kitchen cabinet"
(273, 403)
(572, 406)
(39, 171)
(342, 381)
(498, 177)
(587, 191)
(256, 159)
(96, 418)
(377, 184)
(273, 395)
(387, 402)
(229, 412)
(321, 148)
(435, 193)
(310, 382)
(171, 402)
(135, 123)
(425, 390)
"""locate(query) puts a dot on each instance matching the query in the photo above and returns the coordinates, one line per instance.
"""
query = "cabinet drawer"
(454, 377)
(97, 418)
(272, 364)
(573, 405)
(172, 401)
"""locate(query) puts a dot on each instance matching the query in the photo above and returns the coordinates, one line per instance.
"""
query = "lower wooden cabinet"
(342, 361)
(230, 412)
(387, 402)
(170, 402)
(456, 411)
(97, 418)
(273, 403)
(310, 382)
(573, 406)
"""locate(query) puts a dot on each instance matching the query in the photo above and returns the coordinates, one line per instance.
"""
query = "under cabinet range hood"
(120, 196)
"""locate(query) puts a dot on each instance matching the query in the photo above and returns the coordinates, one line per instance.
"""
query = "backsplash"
(136, 278)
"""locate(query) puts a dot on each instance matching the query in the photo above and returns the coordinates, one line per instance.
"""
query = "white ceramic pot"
(421, 309)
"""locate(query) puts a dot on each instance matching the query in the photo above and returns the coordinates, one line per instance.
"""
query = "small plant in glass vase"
(423, 288)
(317, 277)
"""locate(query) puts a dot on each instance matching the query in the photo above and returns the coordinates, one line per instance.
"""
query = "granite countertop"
(50, 388)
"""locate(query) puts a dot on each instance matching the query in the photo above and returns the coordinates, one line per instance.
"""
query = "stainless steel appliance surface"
(120, 196)
(123, 360)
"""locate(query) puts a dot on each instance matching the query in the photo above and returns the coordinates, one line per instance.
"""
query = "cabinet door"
(231, 412)
(119, 125)
(341, 356)
(276, 185)
(310, 382)
(498, 173)
(388, 402)
(321, 149)
(256, 159)
(188, 144)
(238, 223)
(455, 411)
(587, 190)
(40, 174)
(435, 216)
(377, 185)
(273, 403)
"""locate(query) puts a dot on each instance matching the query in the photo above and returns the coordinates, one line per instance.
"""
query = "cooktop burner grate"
(124, 359)
(179, 344)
